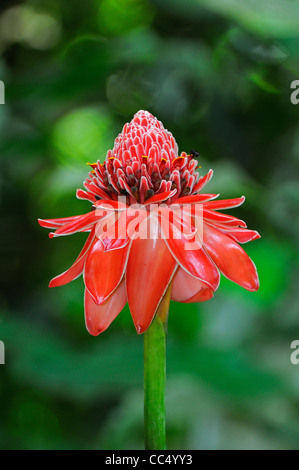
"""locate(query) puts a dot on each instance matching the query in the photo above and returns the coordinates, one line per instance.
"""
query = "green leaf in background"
(118, 17)
(84, 135)
(268, 18)
(43, 360)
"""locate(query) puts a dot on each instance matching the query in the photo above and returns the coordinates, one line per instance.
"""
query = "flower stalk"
(155, 377)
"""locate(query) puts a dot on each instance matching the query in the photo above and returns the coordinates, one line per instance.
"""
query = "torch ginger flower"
(144, 170)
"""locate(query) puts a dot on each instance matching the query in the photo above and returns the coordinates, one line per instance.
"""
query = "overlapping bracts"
(144, 161)
(144, 170)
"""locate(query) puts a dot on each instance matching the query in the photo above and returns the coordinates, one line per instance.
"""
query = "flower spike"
(152, 230)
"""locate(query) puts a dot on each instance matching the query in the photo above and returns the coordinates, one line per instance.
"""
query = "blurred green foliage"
(218, 74)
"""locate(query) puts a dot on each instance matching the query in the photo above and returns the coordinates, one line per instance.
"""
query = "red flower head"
(150, 226)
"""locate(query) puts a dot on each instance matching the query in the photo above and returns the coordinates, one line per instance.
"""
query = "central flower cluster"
(143, 162)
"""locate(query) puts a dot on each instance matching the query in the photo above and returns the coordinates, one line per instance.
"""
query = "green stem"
(155, 377)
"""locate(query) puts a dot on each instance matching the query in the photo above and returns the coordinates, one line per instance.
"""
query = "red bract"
(188, 243)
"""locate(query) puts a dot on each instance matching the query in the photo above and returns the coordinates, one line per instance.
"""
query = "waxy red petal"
(240, 235)
(193, 259)
(149, 270)
(104, 270)
(99, 317)
(55, 223)
(201, 296)
(230, 258)
(160, 197)
(78, 225)
(187, 288)
(81, 194)
(96, 191)
(223, 218)
(195, 198)
(77, 268)
(203, 180)
(224, 203)
(118, 205)
(243, 235)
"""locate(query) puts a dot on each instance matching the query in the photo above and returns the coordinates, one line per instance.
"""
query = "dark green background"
(218, 74)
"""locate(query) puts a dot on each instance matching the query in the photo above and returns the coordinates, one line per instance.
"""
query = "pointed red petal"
(223, 218)
(55, 223)
(230, 258)
(195, 198)
(201, 296)
(77, 268)
(85, 196)
(240, 235)
(96, 191)
(193, 258)
(243, 235)
(149, 270)
(160, 197)
(203, 181)
(78, 225)
(99, 317)
(186, 288)
(104, 270)
(118, 205)
(224, 203)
